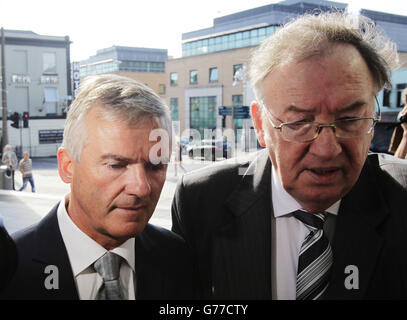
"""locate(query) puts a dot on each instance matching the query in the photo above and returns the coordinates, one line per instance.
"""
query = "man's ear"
(65, 165)
(258, 122)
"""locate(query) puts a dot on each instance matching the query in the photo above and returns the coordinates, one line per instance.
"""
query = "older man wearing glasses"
(314, 215)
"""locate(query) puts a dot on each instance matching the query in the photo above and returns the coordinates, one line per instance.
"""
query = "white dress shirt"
(83, 251)
(288, 233)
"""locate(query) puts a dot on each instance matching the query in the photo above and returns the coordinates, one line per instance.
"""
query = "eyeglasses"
(306, 131)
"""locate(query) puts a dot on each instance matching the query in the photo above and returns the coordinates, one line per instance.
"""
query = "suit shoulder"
(158, 238)
(387, 159)
(219, 171)
(25, 238)
(393, 166)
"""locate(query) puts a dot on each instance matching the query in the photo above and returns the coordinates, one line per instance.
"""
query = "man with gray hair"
(314, 216)
(9, 159)
(97, 243)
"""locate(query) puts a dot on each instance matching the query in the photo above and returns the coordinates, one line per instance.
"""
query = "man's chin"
(129, 230)
(318, 202)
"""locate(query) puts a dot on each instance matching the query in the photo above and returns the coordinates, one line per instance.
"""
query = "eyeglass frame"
(325, 125)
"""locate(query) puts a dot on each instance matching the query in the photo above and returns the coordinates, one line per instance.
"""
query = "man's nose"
(326, 145)
(137, 182)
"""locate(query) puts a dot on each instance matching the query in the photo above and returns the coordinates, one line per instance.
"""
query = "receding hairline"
(322, 30)
(325, 51)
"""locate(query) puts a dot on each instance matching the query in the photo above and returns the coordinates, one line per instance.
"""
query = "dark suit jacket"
(225, 218)
(163, 267)
(8, 258)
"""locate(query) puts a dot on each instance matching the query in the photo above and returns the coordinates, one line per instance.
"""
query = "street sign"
(242, 116)
(225, 111)
(242, 112)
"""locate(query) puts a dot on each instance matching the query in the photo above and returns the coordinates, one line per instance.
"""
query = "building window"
(202, 113)
(213, 74)
(386, 98)
(161, 88)
(49, 63)
(98, 68)
(21, 61)
(228, 41)
(236, 68)
(174, 109)
(193, 76)
(141, 66)
(237, 101)
(174, 78)
(400, 88)
(102, 67)
(51, 100)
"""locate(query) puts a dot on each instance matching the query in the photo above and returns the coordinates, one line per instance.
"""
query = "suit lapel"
(357, 243)
(143, 265)
(51, 251)
(150, 279)
(244, 238)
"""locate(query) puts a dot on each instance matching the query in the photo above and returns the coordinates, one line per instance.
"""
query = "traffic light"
(15, 117)
(26, 117)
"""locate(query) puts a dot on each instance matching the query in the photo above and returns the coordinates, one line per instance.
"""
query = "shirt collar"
(82, 250)
(284, 203)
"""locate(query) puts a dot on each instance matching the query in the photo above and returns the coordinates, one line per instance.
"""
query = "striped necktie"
(108, 266)
(315, 260)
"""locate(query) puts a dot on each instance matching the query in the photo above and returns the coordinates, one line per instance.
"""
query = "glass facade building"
(203, 113)
(124, 59)
(228, 41)
(121, 66)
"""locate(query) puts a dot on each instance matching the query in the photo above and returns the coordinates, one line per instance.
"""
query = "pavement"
(22, 209)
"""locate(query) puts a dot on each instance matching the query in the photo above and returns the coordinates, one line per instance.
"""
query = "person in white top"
(114, 155)
(401, 151)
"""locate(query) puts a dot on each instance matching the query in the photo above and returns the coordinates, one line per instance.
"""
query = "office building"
(146, 65)
(37, 82)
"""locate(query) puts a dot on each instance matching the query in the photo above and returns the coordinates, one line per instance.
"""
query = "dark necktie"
(108, 267)
(315, 260)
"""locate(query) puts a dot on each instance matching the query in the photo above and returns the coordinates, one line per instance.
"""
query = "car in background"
(210, 149)
(184, 143)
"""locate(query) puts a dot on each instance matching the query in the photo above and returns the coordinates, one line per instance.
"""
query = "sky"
(97, 24)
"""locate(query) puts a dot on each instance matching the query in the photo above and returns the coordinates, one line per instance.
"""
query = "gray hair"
(313, 35)
(120, 99)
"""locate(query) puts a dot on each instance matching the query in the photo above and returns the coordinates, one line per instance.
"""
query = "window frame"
(210, 74)
(190, 76)
(173, 82)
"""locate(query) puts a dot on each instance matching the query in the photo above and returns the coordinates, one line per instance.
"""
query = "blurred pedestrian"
(9, 159)
(178, 158)
(25, 166)
(398, 142)
(401, 151)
